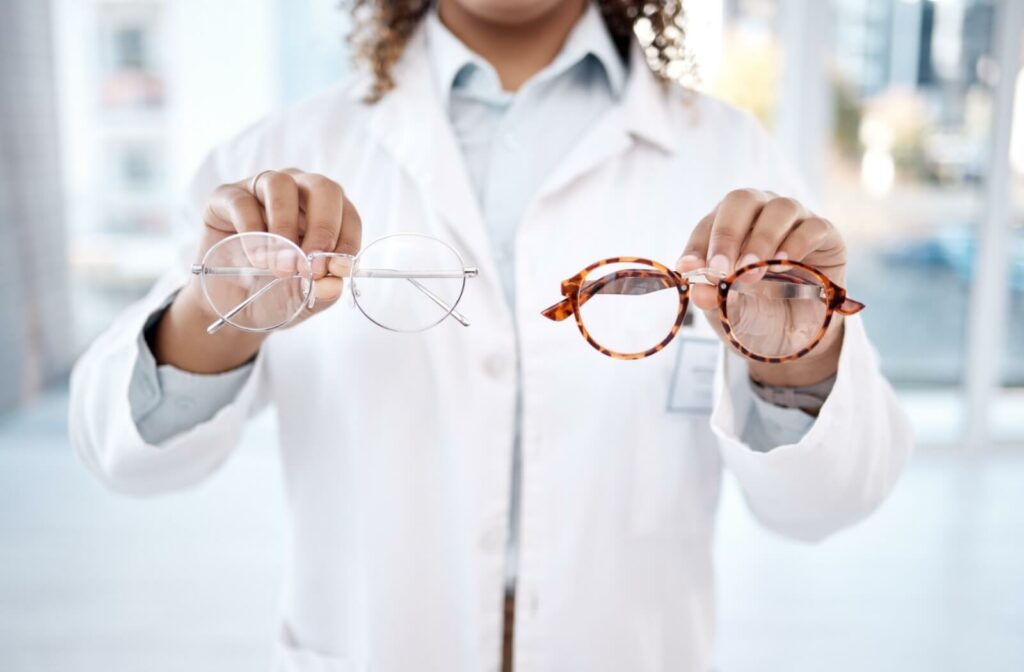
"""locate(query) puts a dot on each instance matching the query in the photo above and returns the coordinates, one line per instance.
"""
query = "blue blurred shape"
(954, 247)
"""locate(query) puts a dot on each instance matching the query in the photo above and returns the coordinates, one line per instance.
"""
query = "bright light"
(947, 37)
(877, 167)
(877, 172)
(876, 135)
(704, 36)
(1017, 135)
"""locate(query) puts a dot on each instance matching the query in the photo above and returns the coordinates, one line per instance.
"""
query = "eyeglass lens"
(628, 308)
(408, 282)
(256, 281)
(778, 311)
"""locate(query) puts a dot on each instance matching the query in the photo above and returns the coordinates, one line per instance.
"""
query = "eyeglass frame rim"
(835, 298)
(198, 270)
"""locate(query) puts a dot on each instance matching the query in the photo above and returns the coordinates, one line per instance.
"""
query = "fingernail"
(747, 260)
(319, 267)
(781, 255)
(720, 264)
(688, 260)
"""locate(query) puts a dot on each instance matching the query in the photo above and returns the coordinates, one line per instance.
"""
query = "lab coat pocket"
(292, 658)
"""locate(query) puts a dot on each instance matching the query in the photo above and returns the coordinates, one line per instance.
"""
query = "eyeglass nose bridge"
(348, 262)
(702, 276)
(331, 255)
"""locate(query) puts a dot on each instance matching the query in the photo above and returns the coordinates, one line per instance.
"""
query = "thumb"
(328, 283)
(327, 290)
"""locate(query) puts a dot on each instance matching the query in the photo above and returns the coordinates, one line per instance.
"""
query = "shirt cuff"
(807, 397)
(769, 425)
(766, 424)
(166, 401)
(780, 415)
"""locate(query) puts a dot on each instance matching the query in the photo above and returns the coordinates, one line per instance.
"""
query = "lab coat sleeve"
(104, 434)
(101, 426)
(840, 469)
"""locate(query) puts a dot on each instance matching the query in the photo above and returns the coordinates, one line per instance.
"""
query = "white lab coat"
(396, 448)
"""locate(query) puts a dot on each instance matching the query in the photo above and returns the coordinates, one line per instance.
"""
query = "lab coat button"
(496, 365)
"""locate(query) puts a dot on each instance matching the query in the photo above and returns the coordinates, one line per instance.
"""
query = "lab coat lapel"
(642, 114)
(410, 123)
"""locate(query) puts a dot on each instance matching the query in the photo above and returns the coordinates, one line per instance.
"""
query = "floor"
(90, 581)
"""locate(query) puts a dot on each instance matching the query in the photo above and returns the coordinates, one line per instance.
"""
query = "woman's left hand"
(750, 225)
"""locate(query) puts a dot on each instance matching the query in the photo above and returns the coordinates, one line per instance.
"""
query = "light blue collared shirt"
(512, 141)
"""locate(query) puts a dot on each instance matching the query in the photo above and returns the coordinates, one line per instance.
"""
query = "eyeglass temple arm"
(459, 317)
(848, 306)
(368, 273)
(217, 324)
(788, 286)
(199, 269)
(563, 308)
(558, 311)
(412, 278)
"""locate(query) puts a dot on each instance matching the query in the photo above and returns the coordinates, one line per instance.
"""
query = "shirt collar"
(589, 37)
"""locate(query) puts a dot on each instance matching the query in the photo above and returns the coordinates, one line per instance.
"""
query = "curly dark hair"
(382, 27)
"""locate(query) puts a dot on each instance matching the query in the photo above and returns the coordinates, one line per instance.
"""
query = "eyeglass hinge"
(197, 269)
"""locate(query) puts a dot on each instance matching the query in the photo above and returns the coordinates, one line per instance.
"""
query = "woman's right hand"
(307, 208)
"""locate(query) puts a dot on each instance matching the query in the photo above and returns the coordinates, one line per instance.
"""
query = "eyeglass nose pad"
(311, 301)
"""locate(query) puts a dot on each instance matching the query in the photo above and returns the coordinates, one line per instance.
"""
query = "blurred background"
(905, 116)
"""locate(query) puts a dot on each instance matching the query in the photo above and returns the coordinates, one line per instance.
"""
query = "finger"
(696, 250)
(232, 209)
(322, 201)
(817, 241)
(350, 240)
(279, 195)
(704, 297)
(777, 218)
(737, 212)
(328, 290)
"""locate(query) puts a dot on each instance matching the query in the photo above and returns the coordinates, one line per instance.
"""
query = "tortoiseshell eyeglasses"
(771, 311)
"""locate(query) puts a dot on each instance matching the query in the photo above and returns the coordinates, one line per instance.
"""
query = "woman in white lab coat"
(446, 485)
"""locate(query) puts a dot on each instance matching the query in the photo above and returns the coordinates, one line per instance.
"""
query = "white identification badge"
(693, 381)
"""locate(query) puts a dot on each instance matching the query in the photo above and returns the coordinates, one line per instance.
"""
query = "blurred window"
(143, 98)
(128, 44)
(1008, 425)
(911, 99)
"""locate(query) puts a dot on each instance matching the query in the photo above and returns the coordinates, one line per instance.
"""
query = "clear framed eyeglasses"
(404, 282)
